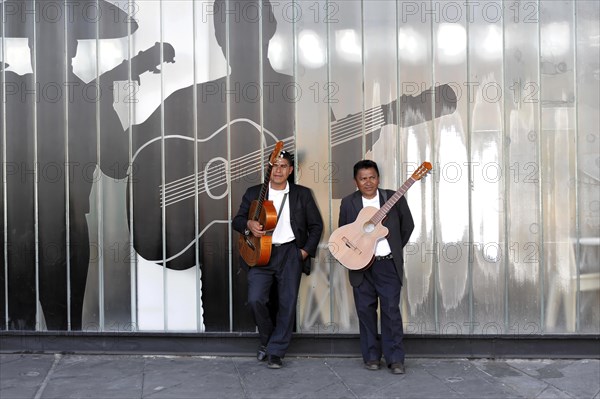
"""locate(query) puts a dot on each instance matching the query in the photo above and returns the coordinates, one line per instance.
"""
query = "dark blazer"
(399, 222)
(306, 220)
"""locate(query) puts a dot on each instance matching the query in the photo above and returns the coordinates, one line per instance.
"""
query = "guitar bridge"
(351, 246)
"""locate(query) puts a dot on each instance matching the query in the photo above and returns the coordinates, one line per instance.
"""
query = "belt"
(388, 256)
(285, 243)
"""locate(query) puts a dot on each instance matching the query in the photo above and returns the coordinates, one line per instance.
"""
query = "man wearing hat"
(59, 130)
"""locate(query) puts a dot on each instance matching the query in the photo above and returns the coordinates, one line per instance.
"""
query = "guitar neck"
(214, 176)
(352, 127)
(263, 192)
(384, 210)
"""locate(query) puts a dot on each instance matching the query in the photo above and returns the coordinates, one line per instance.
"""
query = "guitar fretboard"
(216, 175)
(351, 127)
(265, 185)
(385, 208)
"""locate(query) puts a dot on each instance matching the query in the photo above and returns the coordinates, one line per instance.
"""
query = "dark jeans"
(284, 269)
(381, 282)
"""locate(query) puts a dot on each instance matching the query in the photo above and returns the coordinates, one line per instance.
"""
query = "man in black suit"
(294, 241)
(383, 280)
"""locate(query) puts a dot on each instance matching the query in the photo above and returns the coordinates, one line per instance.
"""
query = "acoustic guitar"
(353, 245)
(256, 251)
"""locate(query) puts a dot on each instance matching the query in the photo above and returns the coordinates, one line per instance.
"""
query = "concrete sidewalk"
(138, 376)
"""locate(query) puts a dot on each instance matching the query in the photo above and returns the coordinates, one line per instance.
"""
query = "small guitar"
(149, 60)
(145, 61)
(353, 245)
(256, 251)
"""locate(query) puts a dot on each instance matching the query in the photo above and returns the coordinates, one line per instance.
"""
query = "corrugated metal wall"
(119, 183)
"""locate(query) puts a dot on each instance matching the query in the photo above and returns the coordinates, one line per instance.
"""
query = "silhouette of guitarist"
(221, 147)
(53, 147)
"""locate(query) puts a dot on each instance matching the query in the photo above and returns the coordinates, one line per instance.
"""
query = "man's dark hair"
(288, 156)
(365, 164)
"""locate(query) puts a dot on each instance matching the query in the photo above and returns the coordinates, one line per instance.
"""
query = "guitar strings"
(382, 212)
(335, 126)
(184, 188)
(350, 134)
(350, 130)
(347, 131)
(213, 179)
(351, 119)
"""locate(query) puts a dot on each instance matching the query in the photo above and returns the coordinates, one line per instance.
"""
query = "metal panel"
(506, 237)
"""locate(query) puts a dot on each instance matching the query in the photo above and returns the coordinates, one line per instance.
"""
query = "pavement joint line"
(241, 379)
(548, 386)
(42, 388)
(558, 389)
(143, 378)
(341, 380)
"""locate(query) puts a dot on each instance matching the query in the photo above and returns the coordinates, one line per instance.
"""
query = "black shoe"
(262, 353)
(274, 362)
(372, 365)
(397, 368)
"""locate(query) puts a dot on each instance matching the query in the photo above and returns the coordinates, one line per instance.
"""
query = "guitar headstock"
(149, 60)
(422, 171)
(276, 152)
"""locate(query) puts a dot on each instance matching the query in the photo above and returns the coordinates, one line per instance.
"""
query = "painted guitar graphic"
(256, 251)
(145, 61)
(185, 183)
(353, 245)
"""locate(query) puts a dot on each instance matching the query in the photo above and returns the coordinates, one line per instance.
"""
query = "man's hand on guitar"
(255, 228)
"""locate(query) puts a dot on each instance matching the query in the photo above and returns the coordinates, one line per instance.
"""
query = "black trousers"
(381, 283)
(284, 270)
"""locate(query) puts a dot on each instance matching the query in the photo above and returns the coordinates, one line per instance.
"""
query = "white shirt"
(283, 231)
(383, 246)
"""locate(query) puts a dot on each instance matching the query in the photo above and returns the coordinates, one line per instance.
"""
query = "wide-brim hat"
(83, 19)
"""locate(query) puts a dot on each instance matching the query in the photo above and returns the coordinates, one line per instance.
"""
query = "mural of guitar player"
(52, 147)
(230, 136)
(230, 145)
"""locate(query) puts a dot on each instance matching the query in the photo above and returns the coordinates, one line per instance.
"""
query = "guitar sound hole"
(369, 227)
(216, 176)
